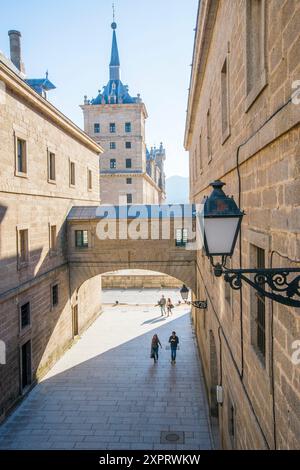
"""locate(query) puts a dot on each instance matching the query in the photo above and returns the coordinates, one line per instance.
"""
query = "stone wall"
(31, 202)
(261, 396)
(115, 281)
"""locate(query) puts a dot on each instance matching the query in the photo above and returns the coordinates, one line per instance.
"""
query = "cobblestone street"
(106, 393)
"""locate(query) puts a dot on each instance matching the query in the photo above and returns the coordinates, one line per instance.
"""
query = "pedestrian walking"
(173, 340)
(162, 303)
(155, 343)
(169, 307)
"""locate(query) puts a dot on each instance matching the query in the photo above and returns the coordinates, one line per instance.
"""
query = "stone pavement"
(106, 393)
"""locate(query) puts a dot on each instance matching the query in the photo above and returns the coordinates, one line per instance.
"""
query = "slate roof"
(131, 211)
(115, 92)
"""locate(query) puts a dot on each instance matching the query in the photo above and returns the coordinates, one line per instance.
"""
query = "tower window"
(72, 173)
(51, 167)
(89, 179)
(113, 163)
(23, 246)
(21, 156)
(129, 198)
(128, 180)
(128, 163)
(128, 145)
(52, 229)
(96, 128)
(112, 128)
(112, 145)
(127, 126)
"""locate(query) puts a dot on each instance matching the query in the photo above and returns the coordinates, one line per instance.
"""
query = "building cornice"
(18, 86)
(115, 107)
(207, 12)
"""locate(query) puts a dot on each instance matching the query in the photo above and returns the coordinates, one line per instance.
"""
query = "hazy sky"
(72, 39)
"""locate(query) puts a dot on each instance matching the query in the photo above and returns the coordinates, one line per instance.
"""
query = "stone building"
(128, 172)
(47, 165)
(243, 128)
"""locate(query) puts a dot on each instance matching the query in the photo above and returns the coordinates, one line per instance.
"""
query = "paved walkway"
(105, 392)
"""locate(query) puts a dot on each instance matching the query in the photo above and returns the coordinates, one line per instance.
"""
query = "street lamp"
(220, 221)
(184, 291)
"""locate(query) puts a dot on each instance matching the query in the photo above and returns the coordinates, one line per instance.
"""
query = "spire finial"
(114, 24)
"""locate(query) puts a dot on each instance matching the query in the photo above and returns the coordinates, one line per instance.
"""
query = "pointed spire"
(114, 66)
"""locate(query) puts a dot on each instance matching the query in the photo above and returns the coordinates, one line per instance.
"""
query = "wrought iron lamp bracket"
(202, 304)
(270, 282)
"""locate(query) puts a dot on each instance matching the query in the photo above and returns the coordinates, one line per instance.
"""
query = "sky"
(72, 40)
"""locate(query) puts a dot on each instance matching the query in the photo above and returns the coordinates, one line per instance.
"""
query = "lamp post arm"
(275, 279)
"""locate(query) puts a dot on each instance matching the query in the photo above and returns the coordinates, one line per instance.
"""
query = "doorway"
(75, 320)
(26, 365)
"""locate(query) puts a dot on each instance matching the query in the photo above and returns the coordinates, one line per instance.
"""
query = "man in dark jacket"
(173, 340)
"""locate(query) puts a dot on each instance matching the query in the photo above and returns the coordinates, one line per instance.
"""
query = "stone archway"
(81, 272)
(213, 368)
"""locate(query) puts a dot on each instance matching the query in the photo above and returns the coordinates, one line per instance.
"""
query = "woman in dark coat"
(155, 343)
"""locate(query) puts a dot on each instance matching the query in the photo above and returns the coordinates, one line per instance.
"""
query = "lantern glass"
(184, 291)
(220, 235)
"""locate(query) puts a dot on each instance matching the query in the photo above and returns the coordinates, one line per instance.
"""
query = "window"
(256, 74)
(258, 308)
(89, 179)
(225, 101)
(112, 145)
(52, 238)
(127, 126)
(128, 145)
(54, 295)
(96, 128)
(81, 239)
(231, 421)
(128, 162)
(199, 160)
(208, 125)
(129, 198)
(21, 166)
(72, 174)
(23, 249)
(128, 180)
(112, 128)
(26, 373)
(25, 315)
(113, 163)
(181, 237)
(51, 166)
(195, 165)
